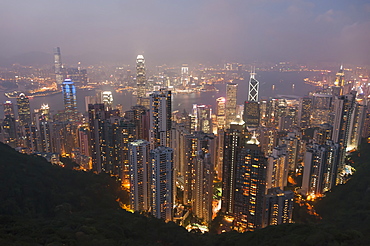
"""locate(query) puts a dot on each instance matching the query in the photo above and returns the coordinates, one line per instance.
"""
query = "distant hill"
(42, 204)
(37, 58)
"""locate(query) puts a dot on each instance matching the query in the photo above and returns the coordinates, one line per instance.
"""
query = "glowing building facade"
(141, 81)
(69, 96)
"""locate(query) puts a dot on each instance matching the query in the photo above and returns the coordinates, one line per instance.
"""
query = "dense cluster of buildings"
(170, 161)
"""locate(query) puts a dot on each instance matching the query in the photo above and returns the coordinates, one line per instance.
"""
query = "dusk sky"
(181, 31)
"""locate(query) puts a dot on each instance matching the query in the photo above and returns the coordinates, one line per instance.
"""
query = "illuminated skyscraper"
(141, 80)
(160, 119)
(10, 130)
(304, 112)
(231, 92)
(321, 109)
(199, 151)
(253, 88)
(251, 184)
(140, 175)
(277, 169)
(107, 99)
(98, 139)
(232, 143)
(185, 75)
(356, 126)
(69, 95)
(320, 168)
(24, 111)
(162, 183)
(220, 112)
(343, 110)
(278, 207)
(58, 66)
(203, 118)
(251, 114)
(45, 129)
(45, 111)
(339, 80)
(8, 108)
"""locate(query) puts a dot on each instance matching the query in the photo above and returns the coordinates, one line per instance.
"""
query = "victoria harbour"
(273, 84)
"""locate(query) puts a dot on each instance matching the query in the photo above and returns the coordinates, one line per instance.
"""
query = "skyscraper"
(203, 118)
(278, 207)
(232, 143)
(320, 168)
(356, 126)
(162, 183)
(185, 75)
(231, 92)
(107, 99)
(321, 109)
(98, 139)
(69, 95)
(343, 110)
(251, 114)
(24, 111)
(277, 169)
(8, 108)
(253, 88)
(58, 66)
(160, 119)
(339, 80)
(141, 80)
(140, 175)
(220, 112)
(250, 185)
(45, 129)
(10, 129)
(304, 112)
(199, 154)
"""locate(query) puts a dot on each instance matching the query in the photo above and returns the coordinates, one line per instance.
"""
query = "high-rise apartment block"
(162, 182)
(160, 119)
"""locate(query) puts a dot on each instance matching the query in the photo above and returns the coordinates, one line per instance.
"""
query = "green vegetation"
(42, 204)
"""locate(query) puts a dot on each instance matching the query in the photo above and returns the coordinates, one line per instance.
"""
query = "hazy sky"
(182, 30)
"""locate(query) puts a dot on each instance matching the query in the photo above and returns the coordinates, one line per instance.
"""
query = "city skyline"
(198, 31)
(250, 138)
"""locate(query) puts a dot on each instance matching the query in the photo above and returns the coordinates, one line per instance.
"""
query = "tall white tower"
(140, 79)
